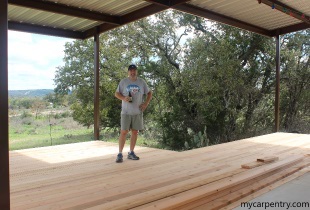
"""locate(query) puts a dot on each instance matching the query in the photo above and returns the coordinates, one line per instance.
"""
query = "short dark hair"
(132, 66)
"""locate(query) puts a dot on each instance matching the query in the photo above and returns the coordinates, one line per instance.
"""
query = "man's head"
(132, 71)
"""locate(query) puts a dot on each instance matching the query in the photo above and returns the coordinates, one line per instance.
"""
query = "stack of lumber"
(85, 175)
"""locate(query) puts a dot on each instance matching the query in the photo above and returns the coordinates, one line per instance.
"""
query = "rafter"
(45, 30)
(66, 10)
(287, 10)
(290, 29)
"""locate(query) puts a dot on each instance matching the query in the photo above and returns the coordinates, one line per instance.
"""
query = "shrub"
(25, 114)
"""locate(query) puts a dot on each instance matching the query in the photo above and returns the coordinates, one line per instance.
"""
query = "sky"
(33, 60)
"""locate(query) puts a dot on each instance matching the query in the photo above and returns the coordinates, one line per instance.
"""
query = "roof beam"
(191, 9)
(287, 10)
(66, 10)
(45, 30)
(131, 17)
(290, 29)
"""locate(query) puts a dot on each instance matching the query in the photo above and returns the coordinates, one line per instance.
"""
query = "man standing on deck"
(131, 91)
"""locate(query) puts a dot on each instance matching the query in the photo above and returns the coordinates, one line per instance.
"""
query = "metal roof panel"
(37, 17)
(111, 7)
(252, 12)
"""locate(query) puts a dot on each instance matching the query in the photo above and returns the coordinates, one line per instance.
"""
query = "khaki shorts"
(134, 122)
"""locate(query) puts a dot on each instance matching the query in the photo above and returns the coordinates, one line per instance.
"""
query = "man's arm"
(147, 101)
(121, 97)
(149, 97)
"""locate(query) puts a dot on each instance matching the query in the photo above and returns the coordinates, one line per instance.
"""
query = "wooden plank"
(267, 189)
(268, 159)
(167, 203)
(124, 189)
(87, 179)
(252, 165)
(150, 171)
(98, 183)
(260, 162)
(199, 192)
(259, 184)
(221, 193)
(157, 160)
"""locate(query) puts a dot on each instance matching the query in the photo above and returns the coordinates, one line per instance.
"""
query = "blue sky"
(33, 60)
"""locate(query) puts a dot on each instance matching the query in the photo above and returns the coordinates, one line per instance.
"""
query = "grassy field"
(54, 128)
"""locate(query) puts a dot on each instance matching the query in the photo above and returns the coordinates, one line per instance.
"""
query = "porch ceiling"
(82, 19)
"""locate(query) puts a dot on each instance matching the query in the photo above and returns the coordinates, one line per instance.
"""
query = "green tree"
(295, 82)
(59, 99)
(211, 82)
(37, 106)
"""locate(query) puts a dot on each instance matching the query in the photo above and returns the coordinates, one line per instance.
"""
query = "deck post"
(4, 113)
(277, 94)
(96, 86)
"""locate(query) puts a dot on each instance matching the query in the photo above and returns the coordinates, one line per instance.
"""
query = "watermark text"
(277, 204)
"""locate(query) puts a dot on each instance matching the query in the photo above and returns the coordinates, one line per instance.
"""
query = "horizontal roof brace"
(290, 29)
(287, 10)
(44, 30)
(66, 10)
(187, 8)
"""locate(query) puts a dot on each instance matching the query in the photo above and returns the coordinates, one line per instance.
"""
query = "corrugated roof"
(82, 19)
(249, 11)
(110, 7)
(37, 17)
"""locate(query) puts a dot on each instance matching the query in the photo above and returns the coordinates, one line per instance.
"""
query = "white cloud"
(33, 60)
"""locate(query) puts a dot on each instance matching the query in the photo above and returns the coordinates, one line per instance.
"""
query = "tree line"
(211, 83)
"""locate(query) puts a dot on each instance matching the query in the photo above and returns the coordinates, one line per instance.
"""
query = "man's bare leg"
(122, 140)
(133, 139)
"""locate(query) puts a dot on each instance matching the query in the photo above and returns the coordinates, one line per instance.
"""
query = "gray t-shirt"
(137, 89)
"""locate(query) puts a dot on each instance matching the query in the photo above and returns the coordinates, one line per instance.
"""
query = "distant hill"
(30, 93)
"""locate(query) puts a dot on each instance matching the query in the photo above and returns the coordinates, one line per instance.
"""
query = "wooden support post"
(4, 113)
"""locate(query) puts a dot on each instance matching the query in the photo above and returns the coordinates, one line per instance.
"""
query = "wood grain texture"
(85, 175)
(268, 159)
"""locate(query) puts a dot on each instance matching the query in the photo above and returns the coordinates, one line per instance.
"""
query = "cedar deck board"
(252, 165)
(268, 189)
(198, 192)
(217, 195)
(268, 159)
(255, 186)
(80, 175)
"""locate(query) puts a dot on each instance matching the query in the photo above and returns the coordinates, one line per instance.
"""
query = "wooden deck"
(85, 175)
